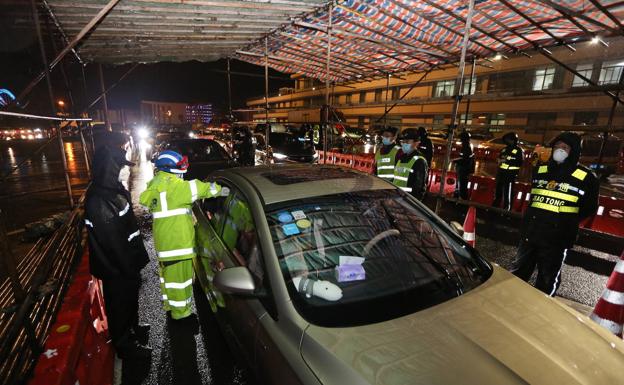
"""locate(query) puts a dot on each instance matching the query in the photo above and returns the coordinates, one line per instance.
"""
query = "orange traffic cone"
(609, 311)
(470, 226)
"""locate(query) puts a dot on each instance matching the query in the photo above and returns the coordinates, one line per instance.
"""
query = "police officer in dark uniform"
(116, 250)
(509, 162)
(563, 193)
(410, 173)
(426, 146)
(244, 146)
(464, 166)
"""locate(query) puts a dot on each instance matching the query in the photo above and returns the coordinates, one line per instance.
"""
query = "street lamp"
(61, 104)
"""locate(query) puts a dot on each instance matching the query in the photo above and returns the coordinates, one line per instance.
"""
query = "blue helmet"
(171, 161)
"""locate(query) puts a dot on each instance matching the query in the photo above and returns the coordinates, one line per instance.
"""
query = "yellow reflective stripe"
(505, 166)
(554, 194)
(555, 209)
(579, 174)
(514, 151)
(542, 169)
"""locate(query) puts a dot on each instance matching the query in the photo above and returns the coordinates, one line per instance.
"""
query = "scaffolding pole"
(472, 77)
(266, 96)
(458, 96)
(104, 99)
(386, 101)
(327, 74)
(229, 85)
(59, 134)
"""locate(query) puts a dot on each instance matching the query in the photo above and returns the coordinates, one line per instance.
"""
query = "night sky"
(190, 82)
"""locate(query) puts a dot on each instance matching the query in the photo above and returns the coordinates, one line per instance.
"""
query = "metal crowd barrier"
(32, 293)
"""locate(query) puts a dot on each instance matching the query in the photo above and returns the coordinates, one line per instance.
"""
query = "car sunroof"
(286, 177)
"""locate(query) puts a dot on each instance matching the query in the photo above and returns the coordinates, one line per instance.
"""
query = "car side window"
(240, 236)
(215, 210)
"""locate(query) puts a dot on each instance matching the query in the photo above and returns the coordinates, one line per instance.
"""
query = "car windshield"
(357, 258)
(198, 150)
(287, 142)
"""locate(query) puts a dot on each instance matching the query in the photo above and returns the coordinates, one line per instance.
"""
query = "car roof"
(281, 183)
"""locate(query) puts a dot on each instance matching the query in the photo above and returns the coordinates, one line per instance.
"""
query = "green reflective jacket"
(170, 199)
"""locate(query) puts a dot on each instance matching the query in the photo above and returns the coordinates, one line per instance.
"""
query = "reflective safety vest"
(238, 220)
(556, 196)
(170, 199)
(385, 163)
(402, 172)
(508, 159)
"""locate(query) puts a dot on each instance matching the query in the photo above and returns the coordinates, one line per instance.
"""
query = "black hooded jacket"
(115, 244)
(544, 227)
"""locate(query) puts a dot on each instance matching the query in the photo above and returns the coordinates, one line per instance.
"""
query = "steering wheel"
(379, 237)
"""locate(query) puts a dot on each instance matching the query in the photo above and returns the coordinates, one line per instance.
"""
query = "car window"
(240, 237)
(199, 150)
(357, 258)
(215, 210)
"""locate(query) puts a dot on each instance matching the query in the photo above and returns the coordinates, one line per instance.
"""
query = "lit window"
(586, 71)
(465, 119)
(497, 120)
(611, 72)
(444, 88)
(470, 86)
(544, 78)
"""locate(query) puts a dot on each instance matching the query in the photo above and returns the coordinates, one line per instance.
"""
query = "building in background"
(530, 95)
(199, 113)
(153, 112)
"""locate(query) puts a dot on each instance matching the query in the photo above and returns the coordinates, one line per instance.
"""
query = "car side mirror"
(235, 280)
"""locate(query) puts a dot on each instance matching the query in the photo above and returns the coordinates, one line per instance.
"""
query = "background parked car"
(204, 155)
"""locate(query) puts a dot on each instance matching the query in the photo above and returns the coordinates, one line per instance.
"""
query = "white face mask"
(560, 155)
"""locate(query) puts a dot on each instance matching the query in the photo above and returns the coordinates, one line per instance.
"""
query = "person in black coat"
(426, 146)
(510, 161)
(563, 193)
(116, 250)
(464, 166)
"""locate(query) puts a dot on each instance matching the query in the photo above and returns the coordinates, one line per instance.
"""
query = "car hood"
(503, 332)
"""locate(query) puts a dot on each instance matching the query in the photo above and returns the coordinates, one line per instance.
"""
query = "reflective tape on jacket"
(554, 208)
(176, 285)
(193, 186)
(505, 166)
(555, 194)
(179, 303)
(88, 223)
(171, 213)
(125, 210)
(133, 235)
(175, 253)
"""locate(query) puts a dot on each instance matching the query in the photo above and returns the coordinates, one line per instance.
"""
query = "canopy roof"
(368, 37)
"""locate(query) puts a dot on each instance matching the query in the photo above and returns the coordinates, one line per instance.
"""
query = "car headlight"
(191, 134)
(143, 133)
(277, 155)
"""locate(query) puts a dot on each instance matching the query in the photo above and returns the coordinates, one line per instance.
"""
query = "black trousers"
(121, 297)
(504, 189)
(461, 184)
(549, 261)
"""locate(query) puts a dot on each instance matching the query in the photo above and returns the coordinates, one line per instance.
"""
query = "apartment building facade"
(531, 95)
